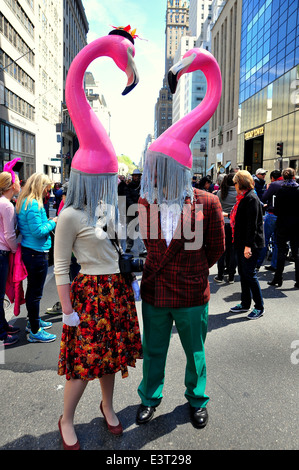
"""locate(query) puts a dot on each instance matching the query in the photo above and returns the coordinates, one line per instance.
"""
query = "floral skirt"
(108, 337)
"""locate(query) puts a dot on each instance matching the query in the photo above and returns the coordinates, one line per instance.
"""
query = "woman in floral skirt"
(100, 332)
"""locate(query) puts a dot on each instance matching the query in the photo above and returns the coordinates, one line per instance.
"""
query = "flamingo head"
(194, 59)
(122, 51)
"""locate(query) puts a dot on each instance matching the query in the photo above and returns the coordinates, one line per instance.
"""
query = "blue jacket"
(35, 227)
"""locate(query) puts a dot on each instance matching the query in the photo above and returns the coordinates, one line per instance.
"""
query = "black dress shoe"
(275, 283)
(270, 268)
(199, 417)
(145, 414)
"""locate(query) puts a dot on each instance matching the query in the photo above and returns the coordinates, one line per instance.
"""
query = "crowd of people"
(242, 217)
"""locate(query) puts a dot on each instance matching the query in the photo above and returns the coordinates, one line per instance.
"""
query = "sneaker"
(231, 279)
(218, 279)
(10, 339)
(239, 309)
(41, 336)
(56, 309)
(12, 330)
(255, 314)
(42, 324)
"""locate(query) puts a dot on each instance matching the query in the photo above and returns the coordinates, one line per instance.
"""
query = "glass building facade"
(269, 43)
(269, 84)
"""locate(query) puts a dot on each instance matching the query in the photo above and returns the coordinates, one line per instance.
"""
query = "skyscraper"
(177, 24)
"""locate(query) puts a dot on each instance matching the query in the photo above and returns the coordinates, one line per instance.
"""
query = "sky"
(132, 115)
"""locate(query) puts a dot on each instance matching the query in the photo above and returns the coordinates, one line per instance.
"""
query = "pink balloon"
(96, 153)
(176, 139)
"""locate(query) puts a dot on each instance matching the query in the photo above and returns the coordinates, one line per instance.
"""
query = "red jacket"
(177, 275)
(14, 284)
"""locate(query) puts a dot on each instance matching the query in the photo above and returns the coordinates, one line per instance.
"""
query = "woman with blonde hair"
(9, 187)
(246, 219)
(35, 229)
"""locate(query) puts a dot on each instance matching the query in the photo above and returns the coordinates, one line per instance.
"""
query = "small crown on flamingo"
(127, 29)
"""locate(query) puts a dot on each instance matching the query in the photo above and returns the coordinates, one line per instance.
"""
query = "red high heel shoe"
(75, 446)
(115, 430)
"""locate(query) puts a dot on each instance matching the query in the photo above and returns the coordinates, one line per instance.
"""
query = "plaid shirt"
(177, 275)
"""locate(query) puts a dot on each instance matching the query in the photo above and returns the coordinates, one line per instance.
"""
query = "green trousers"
(191, 324)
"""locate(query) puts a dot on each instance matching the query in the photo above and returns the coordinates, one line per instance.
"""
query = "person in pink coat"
(9, 187)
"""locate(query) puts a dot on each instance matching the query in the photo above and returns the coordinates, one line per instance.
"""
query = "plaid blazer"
(177, 275)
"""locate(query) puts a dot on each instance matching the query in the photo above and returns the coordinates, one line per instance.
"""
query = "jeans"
(36, 263)
(269, 231)
(4, 266)
(250, 286)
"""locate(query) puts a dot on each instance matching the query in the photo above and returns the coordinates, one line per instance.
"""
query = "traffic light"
(279, 147)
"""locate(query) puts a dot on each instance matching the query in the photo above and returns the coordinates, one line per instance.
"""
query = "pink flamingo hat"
(94, 167)
(96, 154)
(9, 168)
(169, 158)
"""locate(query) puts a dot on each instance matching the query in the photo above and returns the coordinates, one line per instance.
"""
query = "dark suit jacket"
(287, 210)
(249, 227)
(177, 275)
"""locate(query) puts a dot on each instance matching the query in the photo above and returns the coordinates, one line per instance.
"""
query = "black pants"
(228, 259)
(36, 263)
(282, 240)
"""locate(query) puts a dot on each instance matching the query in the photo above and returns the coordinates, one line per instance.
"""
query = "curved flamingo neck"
(91, 134)
(176, 139)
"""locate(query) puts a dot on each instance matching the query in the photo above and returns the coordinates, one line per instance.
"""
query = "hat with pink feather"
(9, 168)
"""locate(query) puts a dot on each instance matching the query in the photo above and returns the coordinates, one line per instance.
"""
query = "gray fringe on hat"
(165, 180)
(91, 192)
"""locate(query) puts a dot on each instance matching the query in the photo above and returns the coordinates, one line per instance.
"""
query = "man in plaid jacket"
(175, 287)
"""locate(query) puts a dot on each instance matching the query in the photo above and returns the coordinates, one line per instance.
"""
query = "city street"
(252, 383)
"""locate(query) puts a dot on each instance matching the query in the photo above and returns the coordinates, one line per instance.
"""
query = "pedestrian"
(220, 178)
(268, 198)
(287, 211)
(35, 229)
(9, 187)
(58, 192)
(227, 262)
(132, 192)
(246, 220)
(100, 334)
(259, 181)
(174, 284)
(206, 184)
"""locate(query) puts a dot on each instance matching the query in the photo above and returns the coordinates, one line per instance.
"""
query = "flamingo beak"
(177, 70)
(132, 74)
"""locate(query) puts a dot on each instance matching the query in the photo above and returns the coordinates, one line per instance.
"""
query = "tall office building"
(225, 46)
(17, 85)
(269, 82)
(191, 88)
(177, 23)
(260, 71)
(39, 39)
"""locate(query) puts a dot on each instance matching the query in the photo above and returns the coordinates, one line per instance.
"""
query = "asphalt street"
(253, 384)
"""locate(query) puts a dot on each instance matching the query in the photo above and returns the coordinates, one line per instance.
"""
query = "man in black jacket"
(287, 211)
(268, 198)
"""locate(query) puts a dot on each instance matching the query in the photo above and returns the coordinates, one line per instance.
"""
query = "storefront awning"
(209, 169)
